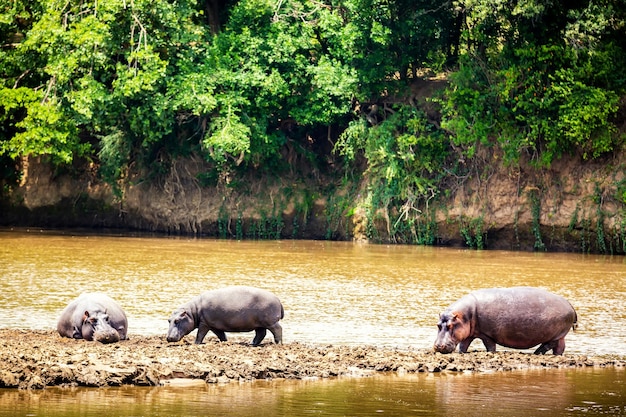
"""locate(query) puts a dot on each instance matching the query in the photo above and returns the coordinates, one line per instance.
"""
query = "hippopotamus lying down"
(231, 309)
(93, 316)
(519, 318)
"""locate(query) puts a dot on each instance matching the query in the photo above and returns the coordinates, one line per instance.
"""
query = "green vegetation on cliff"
(270, 85)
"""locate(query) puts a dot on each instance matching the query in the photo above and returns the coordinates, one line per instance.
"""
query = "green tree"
(139, 83)
(543, 90)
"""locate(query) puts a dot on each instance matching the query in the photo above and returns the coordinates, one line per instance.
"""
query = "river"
(333, 293)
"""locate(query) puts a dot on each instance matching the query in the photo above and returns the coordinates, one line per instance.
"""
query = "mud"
(38, 359)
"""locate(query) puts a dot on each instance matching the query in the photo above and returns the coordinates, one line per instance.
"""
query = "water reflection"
(519, 393)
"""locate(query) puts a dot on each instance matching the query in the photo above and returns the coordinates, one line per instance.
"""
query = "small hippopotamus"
(231, 309)
(519, 318)
(93, 316)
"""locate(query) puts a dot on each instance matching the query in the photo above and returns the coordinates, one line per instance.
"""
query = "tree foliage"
(136, 83)
(552, 87)
(131, 81)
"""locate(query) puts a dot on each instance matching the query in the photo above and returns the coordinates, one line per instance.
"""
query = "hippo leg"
(202, 331)
(77, 334)
(277, 331)
(489, 344)
(543, 348)
(260, 335)
(120, 331)
(557, 347)
(560, 347)
(220, 335)
(464, 345)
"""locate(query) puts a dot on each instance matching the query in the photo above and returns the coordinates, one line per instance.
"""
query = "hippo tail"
(575, 323)
(282, 311)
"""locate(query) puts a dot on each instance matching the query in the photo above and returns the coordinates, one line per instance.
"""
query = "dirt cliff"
(575, 205)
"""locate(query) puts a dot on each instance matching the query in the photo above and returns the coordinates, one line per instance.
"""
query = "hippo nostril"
(440, 348)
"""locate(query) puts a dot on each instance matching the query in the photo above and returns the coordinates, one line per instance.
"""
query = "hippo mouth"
(106, 336)
(173, 337)
(444, 348)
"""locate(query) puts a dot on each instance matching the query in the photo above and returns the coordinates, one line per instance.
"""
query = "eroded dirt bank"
(576, 205)
(36, 359)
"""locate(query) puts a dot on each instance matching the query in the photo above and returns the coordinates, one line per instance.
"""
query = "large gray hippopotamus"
(93, 316)
(231, 309)
(519, 318)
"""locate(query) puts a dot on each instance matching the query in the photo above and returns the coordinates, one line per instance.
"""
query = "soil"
(573, 206)
(35, 359)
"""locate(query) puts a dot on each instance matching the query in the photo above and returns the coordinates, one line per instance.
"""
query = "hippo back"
(72, 318)
(522, 317)
(240, 308)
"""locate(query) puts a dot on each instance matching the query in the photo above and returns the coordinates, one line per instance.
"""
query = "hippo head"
(181, 324)
(454, 327)
(96, 327)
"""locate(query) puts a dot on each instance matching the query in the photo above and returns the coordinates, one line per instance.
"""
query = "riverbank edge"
(36, 359)
(574, 206)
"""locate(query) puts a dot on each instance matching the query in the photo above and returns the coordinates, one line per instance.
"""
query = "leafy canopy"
(133, 84)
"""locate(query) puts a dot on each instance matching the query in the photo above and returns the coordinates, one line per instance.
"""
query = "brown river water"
(333, 293)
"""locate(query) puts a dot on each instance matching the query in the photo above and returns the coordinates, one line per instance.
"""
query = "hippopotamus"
(93, 316)
(519, 318)
(230, 309)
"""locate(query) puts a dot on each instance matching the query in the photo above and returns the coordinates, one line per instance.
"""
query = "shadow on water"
(516, 393)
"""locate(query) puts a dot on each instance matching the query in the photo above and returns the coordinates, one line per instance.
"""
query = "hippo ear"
(85, 316)
(458, 316)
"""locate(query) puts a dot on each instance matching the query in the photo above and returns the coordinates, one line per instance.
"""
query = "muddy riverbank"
(37, 359)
